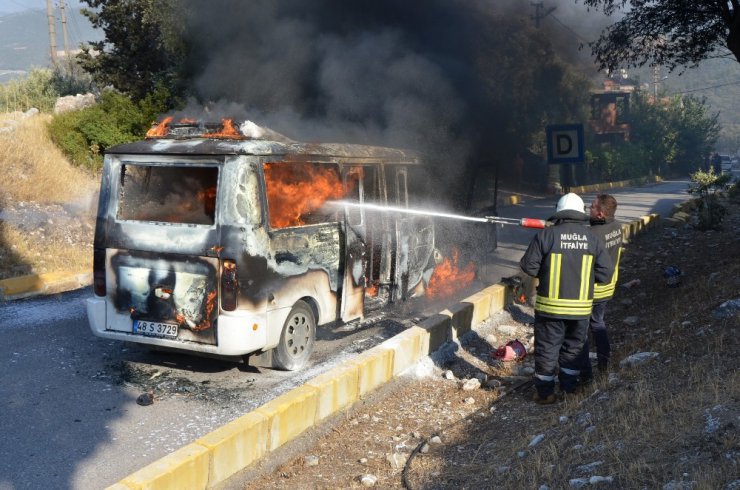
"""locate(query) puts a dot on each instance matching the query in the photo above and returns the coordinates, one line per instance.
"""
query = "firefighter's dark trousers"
(601, 340)
(557, 343)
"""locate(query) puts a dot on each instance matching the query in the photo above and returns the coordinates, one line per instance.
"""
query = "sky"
(15, 6)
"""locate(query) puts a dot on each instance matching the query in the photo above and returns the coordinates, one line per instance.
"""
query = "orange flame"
(448, 277)
(208, 198)
(160, 129)
(187, 120)
(228, 131)
(295, 190)
(206, 322)
(371, 290)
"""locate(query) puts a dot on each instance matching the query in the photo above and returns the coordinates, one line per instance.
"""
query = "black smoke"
(385, 72)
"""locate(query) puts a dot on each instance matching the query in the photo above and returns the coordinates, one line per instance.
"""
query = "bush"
(36, 90)
(85, 134)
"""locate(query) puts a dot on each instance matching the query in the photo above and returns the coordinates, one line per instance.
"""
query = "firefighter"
(609, 232)
(567, 259)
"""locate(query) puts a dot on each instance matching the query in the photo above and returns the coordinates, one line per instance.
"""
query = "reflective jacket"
(609, 232)
(567, 258)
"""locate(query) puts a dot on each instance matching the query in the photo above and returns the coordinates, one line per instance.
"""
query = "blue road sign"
(565, 143)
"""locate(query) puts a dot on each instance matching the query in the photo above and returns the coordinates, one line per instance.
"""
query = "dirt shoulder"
(666, 421)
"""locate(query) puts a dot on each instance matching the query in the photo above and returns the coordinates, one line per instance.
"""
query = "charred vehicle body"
(218, 243)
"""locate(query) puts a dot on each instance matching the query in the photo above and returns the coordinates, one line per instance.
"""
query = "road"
(68, 407)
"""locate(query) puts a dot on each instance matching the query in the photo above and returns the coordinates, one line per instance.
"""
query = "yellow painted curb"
(375, 368)
(481, 302)
(185, 468)
(461, 315)
(337, 389)
(52, 282)
(236, 445)
(289, 415)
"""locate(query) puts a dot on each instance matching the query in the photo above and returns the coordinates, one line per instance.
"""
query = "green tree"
(143, 49)
(666, 32)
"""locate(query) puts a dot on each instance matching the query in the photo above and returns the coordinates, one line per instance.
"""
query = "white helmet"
(570, 202)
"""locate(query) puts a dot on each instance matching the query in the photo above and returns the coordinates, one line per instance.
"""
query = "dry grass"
(34, 169)
(46, 211)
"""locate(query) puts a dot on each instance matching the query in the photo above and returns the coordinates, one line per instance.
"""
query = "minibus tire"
(296, 339)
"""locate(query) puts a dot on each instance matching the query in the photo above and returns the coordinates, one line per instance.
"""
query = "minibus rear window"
(169, 194)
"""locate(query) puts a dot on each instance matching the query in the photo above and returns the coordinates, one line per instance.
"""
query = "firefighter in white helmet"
(567, 259)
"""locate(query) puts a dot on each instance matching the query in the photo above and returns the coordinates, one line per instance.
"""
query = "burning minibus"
(224, 240)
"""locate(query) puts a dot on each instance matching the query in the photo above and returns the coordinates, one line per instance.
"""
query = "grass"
(39, 183)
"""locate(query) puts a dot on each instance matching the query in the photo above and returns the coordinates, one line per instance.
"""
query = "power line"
(737, 82)
(578, 36)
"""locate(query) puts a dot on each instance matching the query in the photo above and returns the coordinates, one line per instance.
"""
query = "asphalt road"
(68, 409)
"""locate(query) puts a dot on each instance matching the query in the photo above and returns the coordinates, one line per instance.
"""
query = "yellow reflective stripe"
(554, 286)
(586, 262)
(602, 291)
(563, 306)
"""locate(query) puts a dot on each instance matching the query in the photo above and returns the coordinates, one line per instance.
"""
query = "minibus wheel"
(296, 339)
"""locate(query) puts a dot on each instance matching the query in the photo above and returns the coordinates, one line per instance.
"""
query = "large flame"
(228, 131)
(160, 129)
(448, 277)
(295, 190)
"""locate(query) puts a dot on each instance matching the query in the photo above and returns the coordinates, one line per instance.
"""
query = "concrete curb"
(53, 282)
(220, 454)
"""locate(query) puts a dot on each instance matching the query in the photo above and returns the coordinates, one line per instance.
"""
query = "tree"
(143, 50)
(667, 32)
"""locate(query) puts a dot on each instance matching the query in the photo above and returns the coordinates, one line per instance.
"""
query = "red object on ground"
(512, 351)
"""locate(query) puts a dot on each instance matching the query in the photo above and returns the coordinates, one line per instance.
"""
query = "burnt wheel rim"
(298, 334)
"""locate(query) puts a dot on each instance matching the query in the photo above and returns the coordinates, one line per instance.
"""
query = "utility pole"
(52, 32)
(539, 7)
(65, 36)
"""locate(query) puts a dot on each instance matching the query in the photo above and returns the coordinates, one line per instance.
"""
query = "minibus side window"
(299, 193)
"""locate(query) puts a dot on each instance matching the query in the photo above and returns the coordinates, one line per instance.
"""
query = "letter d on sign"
(565, 143)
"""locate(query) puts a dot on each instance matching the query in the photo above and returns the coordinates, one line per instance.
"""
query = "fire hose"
(523, 222)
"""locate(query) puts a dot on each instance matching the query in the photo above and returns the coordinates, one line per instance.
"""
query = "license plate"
(155, 329)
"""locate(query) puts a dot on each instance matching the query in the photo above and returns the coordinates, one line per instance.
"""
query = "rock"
(727, 310)
(471, 384)
(397, 460)
(424, 448)
(369, 480)
(449, 374)
(563, 419)
(73, 103)
(470, 400)
(145, 399)
(491, 339)
(311, 460)
(637, 359)
(536, 440)
(600, 479)
(493, 383)
(362, 461)
(578, 482)
(435, 440)
(631, 321)
(631, 284)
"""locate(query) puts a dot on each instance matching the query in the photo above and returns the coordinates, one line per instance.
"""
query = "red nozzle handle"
(532, 223)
